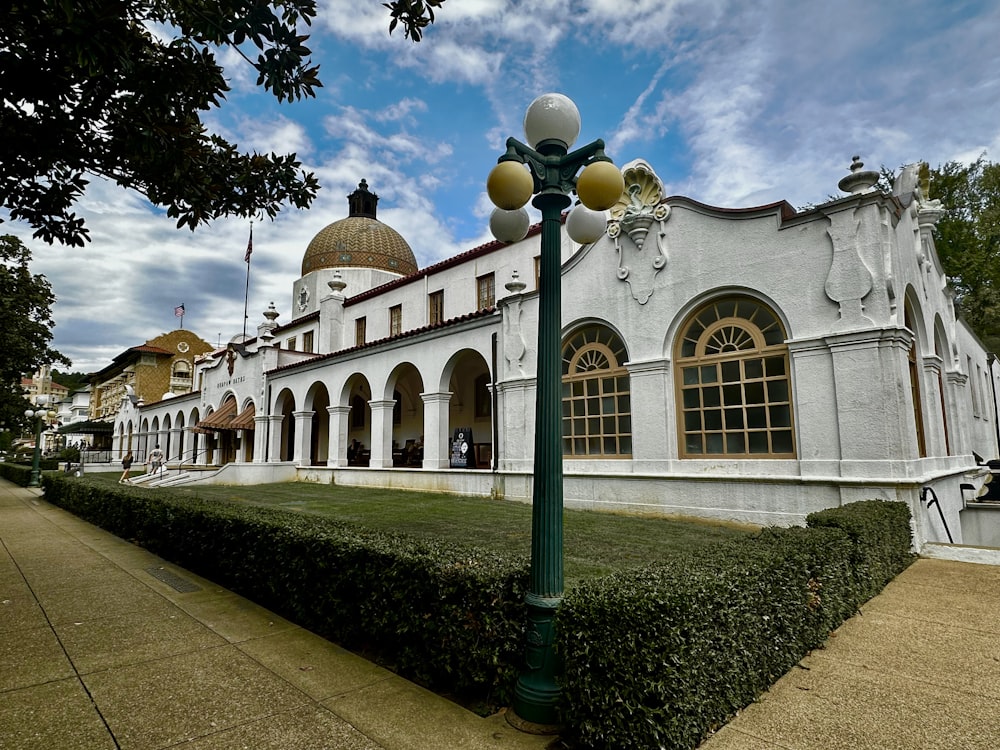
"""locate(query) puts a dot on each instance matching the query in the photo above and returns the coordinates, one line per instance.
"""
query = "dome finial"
(362, 202)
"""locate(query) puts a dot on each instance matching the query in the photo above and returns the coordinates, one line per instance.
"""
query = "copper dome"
(360, 241)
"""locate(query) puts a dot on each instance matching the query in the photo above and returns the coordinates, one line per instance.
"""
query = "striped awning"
(221, 418)
(245, 419)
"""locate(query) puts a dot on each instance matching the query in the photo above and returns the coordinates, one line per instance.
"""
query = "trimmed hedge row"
(17, 473)
(446, 616)
(656, 657)
(663, 656)
(21, 473)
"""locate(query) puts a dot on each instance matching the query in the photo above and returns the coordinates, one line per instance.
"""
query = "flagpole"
(246, 296)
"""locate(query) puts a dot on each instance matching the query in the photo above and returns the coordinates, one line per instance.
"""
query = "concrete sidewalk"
(919, 669)
(104, 645)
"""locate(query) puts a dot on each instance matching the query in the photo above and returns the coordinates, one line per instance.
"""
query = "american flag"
(179, 311)
(246, 258)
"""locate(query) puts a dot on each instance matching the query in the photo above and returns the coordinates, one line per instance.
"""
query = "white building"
(751, 364)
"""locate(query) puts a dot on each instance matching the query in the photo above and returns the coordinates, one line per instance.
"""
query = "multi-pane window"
(359, 331)
(290, 344)
(538, 271)
(307, 341)
(485, 292)
(734, 383)
(596, 401)
(395, 320)
(435, 307)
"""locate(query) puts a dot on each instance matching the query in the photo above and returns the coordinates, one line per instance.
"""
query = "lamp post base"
(536, 695)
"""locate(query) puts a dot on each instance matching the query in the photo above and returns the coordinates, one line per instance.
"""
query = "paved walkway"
(99, 649)
(919, 669)
(103, 645)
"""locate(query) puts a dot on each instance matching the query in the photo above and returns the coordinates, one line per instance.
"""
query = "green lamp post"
(36, 464)
(548, 170)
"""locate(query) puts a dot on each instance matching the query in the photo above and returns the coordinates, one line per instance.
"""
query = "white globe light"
(552, 117)
(585, 226)
(509, 226)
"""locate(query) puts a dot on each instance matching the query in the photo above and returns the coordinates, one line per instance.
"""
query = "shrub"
(663, 656)
(16, 473)
(882, 540)
(447, 616)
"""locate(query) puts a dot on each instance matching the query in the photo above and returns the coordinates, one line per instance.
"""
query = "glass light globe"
(584, 225)
(600, 185)
(509, 185)
(552, 117)
(509, 226)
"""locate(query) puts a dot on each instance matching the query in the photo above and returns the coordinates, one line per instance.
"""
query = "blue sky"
(733, 104)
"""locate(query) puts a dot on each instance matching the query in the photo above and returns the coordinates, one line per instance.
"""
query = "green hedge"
(449, 617)
(882, 540)
(16, 473)
(663, 656)
(656, 657)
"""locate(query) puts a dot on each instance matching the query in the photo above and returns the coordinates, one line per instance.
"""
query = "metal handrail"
(924, 492)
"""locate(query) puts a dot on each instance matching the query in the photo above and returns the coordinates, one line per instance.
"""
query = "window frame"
(360, 330)
(733, 386)
(589, 429)
(435, 307)
(395, 320)
(485, 291)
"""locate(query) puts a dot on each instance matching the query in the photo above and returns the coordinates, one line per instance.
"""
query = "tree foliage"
(116, 89)
(968, 240)
(26, 303)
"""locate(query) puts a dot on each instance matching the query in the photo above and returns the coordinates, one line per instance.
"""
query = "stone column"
(274, 451)
(200, 444)
(261, 423)
(176, 445)
(303, 436)
(381, 433)
(436, 429)
(337, 454)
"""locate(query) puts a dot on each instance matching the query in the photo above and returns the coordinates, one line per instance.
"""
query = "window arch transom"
(733, 382)
(596, 400)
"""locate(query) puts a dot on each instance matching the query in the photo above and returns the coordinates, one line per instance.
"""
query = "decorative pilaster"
(514, 345)
(849, 280)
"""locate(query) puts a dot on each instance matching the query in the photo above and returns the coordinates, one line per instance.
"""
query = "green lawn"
(595, 543)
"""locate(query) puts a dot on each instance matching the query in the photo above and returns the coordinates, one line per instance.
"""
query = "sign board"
(462, 455)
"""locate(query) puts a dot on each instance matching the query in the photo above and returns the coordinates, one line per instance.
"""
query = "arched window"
(733, 383)
(597, 410)
(913, 364)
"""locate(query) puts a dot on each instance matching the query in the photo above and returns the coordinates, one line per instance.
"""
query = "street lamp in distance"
(548, 170)
(39, 415)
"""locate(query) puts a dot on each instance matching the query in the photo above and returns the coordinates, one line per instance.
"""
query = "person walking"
(155, 459)
(127, 466)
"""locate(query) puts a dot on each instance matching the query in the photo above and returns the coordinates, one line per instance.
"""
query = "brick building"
(163, 365)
